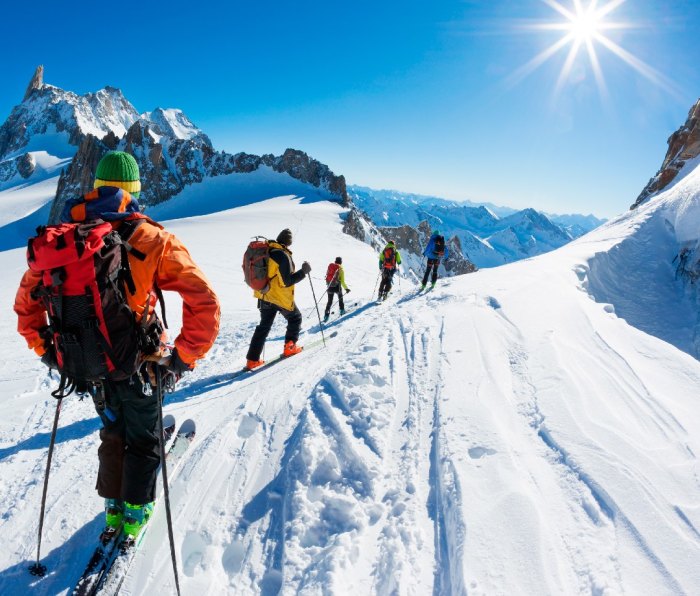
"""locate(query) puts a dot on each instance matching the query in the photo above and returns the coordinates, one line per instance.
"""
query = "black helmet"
(339, 260)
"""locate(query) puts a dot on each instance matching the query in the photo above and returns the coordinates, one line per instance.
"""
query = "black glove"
(306, 268)
(176, 365)
(347, 290)
(49, 358)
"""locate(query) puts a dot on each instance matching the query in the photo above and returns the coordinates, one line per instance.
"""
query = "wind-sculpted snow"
(504, 433)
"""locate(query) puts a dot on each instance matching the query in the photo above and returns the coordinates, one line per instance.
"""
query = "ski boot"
(114, 513)
(326, 317)
(422, 287)
(136, 517)
(432, 285)
(251, 364)
(291, 348)
(342, 312)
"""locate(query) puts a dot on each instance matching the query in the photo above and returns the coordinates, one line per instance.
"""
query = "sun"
(584, 28)
(586, 25)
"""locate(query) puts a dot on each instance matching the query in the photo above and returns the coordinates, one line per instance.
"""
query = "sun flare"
(585, 26)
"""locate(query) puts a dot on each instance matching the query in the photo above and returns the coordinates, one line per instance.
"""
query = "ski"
(105, 551)
(127, 548)
(276, 360)
(348, 308)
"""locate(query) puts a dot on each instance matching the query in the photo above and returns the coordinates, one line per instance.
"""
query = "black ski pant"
(129, 451)
(341, 303)
(385, 285)
(268, 311)
(434, 263)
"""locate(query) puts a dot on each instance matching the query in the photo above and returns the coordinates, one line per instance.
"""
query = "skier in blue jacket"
(435, 251)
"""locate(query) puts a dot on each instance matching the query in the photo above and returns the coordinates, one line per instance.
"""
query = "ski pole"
(375, 285)
(164, 469)
(317, 303)
(38, 568)
(323, 337)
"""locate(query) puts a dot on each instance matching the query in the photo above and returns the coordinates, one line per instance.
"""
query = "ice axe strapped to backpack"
(85, 275)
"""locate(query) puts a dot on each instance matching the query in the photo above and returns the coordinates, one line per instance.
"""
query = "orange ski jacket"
(170, 266)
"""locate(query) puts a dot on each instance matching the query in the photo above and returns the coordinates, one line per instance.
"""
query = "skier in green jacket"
(389, 259)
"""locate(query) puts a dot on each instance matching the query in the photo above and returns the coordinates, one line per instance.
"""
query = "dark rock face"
(408, 238)
(37, 82)
(26, 165)
(23, 165)
(168, 166)
(458, 264)
(300, 166)
(684, 144)
(78, 178)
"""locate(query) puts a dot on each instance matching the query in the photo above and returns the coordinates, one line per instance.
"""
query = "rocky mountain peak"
(37, 81)
(684, 144)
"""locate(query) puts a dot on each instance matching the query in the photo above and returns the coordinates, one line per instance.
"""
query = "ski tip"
(168, 420)
(187, 428)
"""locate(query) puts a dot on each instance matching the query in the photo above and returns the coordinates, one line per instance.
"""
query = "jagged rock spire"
(37, 81)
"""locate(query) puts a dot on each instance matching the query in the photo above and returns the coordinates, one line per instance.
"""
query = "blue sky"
(410, 95)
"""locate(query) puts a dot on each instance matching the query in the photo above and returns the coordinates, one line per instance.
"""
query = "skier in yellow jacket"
(278, 299)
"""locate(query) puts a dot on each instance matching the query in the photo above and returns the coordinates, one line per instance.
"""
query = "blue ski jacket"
(430, 249)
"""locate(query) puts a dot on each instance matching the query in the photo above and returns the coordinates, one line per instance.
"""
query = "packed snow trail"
(501, 434)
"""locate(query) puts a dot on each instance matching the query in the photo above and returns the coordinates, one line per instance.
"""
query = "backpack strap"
(126, 231)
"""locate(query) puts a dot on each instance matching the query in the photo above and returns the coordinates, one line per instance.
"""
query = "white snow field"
(529, 429)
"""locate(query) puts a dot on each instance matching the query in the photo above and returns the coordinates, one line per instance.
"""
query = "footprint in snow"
(193, 553)
(247, 426)
(479, 452)
(232, 559)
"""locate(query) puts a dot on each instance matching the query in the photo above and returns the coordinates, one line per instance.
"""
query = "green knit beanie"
(119, 169)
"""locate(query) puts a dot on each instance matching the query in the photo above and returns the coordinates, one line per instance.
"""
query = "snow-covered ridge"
(171, 123)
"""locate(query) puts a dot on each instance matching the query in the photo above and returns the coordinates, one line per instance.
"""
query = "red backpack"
(255, 260)
(332, 274)
(85, 275)
(389, 258)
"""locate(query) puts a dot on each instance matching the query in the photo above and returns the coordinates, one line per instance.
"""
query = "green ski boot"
(114, 513)
(136, 517)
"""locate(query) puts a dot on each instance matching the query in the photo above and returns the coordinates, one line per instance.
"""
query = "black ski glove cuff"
(177, 365)
(49, 358)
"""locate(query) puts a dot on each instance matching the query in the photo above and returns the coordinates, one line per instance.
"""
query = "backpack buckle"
(58, 276)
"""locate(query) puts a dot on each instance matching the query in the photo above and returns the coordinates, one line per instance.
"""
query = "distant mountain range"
(489, 235)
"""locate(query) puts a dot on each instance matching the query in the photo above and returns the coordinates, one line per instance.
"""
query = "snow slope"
(514, 431)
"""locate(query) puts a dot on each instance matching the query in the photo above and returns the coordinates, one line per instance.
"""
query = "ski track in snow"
(445, 442)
